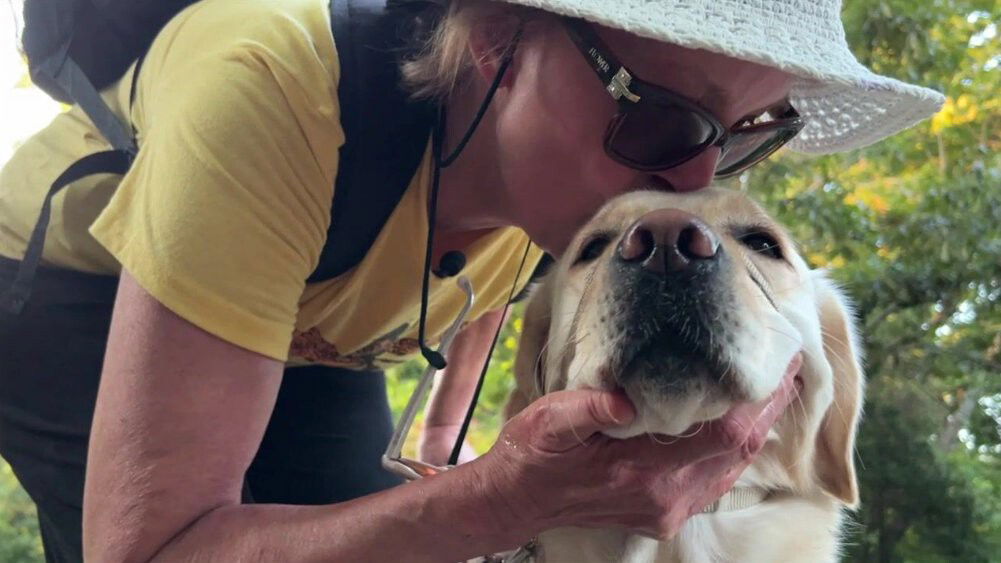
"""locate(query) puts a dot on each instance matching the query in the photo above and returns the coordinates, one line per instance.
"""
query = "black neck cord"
(453, 459)
(434, 357)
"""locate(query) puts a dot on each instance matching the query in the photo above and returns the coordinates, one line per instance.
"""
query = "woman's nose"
(695, 174)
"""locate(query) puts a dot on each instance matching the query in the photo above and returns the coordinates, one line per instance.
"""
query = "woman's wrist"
(471, 496)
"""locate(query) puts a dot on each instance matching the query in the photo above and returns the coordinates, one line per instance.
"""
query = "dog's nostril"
(638, 245)
(695, 243)
(668, 240)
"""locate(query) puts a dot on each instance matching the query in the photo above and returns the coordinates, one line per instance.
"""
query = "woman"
(227, 377)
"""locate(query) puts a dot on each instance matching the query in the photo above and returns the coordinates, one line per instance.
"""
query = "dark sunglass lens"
(743, 150)
(652, 135)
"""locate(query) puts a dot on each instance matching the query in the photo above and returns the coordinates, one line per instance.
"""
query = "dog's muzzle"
(670, 300)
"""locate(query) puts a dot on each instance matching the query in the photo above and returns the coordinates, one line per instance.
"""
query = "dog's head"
(692, 304)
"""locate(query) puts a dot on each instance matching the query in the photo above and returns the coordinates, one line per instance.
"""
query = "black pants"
(322, 445)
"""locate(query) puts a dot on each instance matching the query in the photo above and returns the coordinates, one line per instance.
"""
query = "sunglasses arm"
(601, 60)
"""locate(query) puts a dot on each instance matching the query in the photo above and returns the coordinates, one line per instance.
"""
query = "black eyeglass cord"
(434, 357)
(453, 458)
(453, 261)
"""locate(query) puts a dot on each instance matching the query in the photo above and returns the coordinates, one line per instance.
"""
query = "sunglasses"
(656, 129)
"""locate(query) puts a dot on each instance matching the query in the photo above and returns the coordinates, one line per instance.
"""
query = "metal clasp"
(619, 86)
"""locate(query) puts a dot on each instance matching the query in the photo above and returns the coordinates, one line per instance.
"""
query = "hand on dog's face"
(676, 299)
(617, 484)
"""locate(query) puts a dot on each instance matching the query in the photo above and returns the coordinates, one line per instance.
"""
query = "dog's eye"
(762, 243)
(593, 249)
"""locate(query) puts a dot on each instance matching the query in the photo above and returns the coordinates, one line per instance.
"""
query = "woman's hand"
(551, 466)
(436, 442)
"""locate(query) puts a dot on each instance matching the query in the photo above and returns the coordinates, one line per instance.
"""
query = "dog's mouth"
(678, 361)
(676, 382)
(673, 341)
(672, 363)
(685, 410)
(792, 381)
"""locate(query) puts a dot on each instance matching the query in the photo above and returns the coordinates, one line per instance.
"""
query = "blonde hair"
(443, 60)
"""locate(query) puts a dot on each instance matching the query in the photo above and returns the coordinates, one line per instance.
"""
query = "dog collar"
(737, 498)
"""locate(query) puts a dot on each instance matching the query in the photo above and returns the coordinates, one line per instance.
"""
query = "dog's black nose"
(668, 240)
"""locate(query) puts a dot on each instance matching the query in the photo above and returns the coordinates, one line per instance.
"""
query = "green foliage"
(499, 382)
(19, 539)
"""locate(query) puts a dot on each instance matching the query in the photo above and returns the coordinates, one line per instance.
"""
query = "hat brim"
(845, 105)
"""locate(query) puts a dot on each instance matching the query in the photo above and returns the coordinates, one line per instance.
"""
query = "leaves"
(19, 536)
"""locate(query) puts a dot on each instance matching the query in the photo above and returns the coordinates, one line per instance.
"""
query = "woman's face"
(552, 117)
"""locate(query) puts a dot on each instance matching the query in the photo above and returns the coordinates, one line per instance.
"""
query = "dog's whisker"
(673, 439)
(790, 288)
(578, 310)
(776, 330)
(836, 339)
(837, 355)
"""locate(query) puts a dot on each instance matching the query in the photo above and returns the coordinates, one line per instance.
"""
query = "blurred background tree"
(912, 228)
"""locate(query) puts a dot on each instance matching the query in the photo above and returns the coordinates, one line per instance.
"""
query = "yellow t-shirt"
(224, 212)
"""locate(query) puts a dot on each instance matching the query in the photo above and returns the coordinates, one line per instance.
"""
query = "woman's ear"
(489, 39)
(834, 457)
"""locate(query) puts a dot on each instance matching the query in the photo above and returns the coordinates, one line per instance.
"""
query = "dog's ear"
(531, 357)
(834, 458)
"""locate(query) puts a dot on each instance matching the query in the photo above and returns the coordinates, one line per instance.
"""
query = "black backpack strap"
(114, 161)
(16, 296)
(386, 131)
(48, 38)
(90, 101)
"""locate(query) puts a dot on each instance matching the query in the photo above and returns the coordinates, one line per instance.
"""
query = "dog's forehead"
(713, 205)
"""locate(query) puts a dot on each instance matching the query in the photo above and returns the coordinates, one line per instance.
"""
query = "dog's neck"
(761, 494)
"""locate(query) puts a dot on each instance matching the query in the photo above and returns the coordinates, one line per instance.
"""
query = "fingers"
(731, 442)
(745, 428)
(569, 418)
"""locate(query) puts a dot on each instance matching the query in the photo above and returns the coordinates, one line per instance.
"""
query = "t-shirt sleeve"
(225, 210)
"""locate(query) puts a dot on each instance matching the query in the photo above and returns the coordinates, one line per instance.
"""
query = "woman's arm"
(453, 390)
(179, 417)
(180, 414)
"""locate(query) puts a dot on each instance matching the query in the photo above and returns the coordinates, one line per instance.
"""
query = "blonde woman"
(180, 289)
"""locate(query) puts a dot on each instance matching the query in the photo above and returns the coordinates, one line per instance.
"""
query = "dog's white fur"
(567, 343)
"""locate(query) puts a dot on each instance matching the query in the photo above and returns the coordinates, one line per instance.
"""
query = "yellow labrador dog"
(691, 304)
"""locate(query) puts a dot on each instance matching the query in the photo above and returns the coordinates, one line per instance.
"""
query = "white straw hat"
(846, 105)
